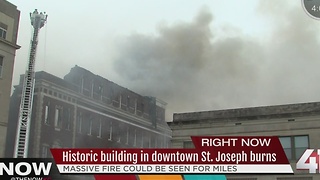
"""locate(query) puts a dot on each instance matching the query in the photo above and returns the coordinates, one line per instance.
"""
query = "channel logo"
(309, 161)
(27, 168)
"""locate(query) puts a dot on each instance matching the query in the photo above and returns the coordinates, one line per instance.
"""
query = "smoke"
(191, 67)
(293, 55)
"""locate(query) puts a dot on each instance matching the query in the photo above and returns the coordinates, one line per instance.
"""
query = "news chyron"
(214, 155)
(211, 155)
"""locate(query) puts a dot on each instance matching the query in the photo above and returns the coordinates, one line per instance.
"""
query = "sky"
(196, 55)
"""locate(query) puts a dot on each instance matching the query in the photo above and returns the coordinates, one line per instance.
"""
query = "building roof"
(71, 83)
(56, 80)
(252, 113)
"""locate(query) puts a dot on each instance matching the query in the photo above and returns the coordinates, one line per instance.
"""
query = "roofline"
(249, 112)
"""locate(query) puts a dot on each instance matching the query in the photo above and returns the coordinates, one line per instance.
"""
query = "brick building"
(86, 110)
(9, 25)
(297, 125)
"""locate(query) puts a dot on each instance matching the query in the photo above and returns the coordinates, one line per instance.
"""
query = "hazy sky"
(194, 54)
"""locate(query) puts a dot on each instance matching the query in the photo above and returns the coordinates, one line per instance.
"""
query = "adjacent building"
(297, 125)
(9, 24)
(85, 110)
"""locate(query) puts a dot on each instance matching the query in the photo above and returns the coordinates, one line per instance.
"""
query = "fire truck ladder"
(23, 128)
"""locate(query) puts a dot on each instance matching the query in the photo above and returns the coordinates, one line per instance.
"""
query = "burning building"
(86, 110)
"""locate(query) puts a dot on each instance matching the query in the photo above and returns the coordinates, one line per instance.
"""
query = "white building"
(9, 24)
(297, 125)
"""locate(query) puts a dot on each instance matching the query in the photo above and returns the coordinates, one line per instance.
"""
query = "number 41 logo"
(309, 161)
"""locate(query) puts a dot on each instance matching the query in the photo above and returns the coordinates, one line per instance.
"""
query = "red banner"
(211, 153)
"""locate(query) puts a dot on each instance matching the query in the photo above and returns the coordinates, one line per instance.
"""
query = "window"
(127, 141)
(110, 133)
(166, 143)
(57, 118)
(45, 151)
(120, 101)
(294, 146)
(128, 101)
(56, 144)
(117, 132)
(100, 129)
(138, 138)
(80, 123)
(82, 85)
(3, 33)
(68, 117)
(135, 106)
(46, 114)
(1, 66)
(142, 108)
(142, 139)
(156, 142)
(188, 144)
(160, 143)
(111, 95)
(100, 89)
(90, 127)
(92, 89)
(135, 138)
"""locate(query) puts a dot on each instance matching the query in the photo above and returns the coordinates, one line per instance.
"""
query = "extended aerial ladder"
(38, 20)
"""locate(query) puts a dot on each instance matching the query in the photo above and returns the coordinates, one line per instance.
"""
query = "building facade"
(84, 110)
(9, 24)
(296, 125)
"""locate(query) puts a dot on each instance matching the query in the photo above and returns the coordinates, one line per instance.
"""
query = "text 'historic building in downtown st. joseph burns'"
(85, 110)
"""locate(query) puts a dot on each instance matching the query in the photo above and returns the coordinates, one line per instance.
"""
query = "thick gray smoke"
(193, 69)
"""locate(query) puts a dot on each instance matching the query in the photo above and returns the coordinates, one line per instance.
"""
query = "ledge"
(10, 44)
